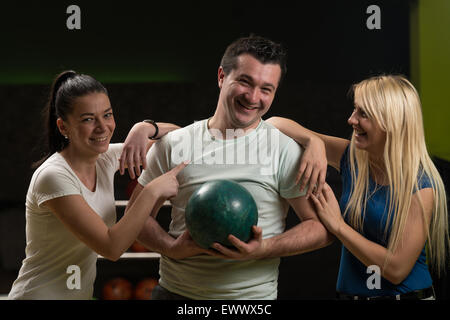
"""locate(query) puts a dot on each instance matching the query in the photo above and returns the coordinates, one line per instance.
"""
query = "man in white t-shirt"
(236, 144)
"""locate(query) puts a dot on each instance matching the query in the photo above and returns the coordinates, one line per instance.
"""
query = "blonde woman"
(392, 215)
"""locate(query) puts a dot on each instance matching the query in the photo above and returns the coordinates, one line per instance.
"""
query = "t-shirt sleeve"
(288, 170)
(157, 161)
(113, 154)
(54, 182)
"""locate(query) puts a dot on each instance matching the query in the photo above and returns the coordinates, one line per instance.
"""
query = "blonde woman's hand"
(313, 167)
(328, 210)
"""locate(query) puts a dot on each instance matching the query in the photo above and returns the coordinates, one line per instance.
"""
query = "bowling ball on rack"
(117, 289)
(137, 247)
(144, 288)
(220, 208)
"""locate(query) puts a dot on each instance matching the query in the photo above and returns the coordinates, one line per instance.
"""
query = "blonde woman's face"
(367, 133)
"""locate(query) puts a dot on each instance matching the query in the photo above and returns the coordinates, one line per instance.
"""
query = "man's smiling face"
(247, 91)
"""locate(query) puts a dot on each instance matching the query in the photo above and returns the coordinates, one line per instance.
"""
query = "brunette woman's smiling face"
(90, 125)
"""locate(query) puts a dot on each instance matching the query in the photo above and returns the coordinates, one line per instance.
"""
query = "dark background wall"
(160, 61)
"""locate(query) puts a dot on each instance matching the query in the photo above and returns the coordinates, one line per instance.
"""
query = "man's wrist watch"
(156, 128)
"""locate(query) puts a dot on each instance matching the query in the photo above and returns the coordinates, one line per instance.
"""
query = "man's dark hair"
(262, 49)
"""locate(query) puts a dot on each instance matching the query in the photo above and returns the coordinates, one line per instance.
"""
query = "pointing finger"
(179, 167)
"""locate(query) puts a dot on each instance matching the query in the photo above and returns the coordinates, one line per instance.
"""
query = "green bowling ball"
(220, 208)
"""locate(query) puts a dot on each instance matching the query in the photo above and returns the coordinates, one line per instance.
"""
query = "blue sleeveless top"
(353, 274)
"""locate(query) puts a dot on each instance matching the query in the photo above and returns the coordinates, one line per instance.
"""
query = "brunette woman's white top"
(57, 264)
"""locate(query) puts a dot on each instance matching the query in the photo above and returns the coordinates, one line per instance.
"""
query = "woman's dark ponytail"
(67, 86)
(56, 141)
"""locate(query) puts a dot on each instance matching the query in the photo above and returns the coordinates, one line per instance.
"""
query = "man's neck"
(221, 129)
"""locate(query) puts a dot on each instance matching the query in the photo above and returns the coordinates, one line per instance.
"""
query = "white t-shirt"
(58, 265)
(265, 162)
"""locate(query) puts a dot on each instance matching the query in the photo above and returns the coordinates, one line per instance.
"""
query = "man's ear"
(220, 77)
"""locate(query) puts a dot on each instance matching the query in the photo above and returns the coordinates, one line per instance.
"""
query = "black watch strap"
(156, 128)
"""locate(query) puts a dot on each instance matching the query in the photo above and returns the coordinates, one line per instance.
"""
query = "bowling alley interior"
(161, 63)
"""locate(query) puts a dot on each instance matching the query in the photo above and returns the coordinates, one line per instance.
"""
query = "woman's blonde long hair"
(395, 105)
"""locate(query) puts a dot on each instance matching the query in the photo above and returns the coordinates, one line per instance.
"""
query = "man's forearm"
(307, 236)
(154, 237)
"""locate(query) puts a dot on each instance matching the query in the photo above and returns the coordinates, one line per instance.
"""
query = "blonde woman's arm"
(402, 260)
(319, 150)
